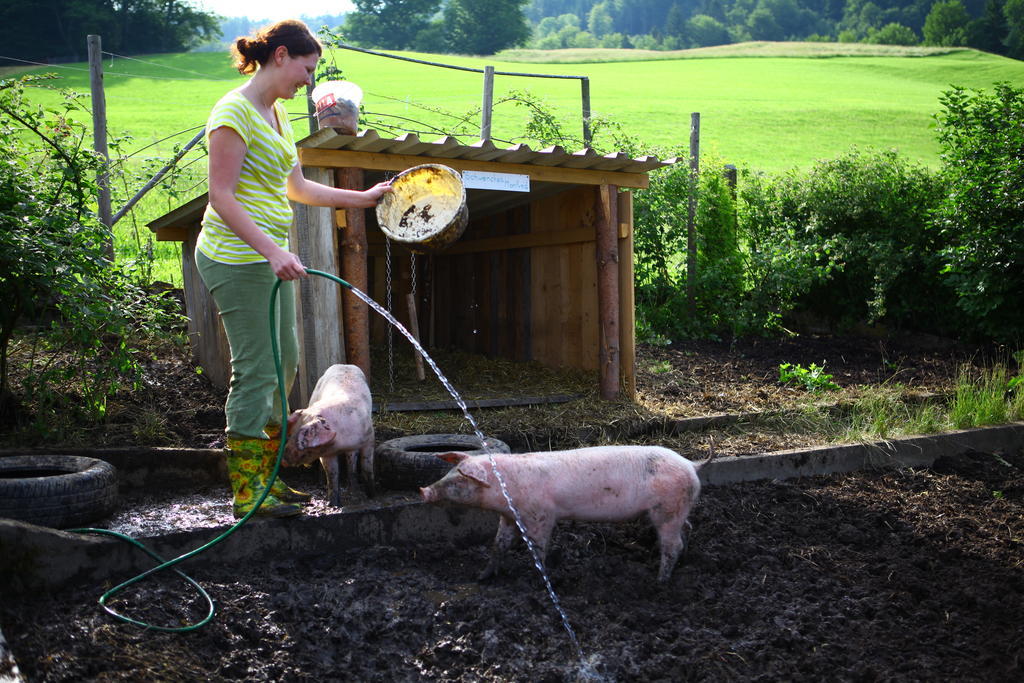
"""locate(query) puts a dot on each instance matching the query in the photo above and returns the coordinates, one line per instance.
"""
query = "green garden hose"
(167, 564)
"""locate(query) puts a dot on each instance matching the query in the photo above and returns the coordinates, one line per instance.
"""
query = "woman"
(243, 247)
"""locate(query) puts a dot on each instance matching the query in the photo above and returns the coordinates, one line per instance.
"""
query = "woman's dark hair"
(247, 52)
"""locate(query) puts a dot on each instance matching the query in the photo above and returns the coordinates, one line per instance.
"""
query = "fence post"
(99, 131)
(691, 227)
(314, 125)
(731, 178)
(488, 103)
(585, 98)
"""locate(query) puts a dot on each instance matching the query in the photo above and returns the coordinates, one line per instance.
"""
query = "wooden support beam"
(608, 291)
(354, 270)
(551, 238)
(314, 239)
(412, 406)
(627, 297)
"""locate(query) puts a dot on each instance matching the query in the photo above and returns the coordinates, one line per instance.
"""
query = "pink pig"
(337, 421)
(601, 484)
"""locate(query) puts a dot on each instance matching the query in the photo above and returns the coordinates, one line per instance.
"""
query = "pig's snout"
(293, 457)
(428, 494)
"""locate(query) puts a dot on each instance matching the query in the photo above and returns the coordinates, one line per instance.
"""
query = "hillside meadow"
(766, 106)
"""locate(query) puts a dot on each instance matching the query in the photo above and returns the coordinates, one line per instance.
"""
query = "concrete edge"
(34, 558)
(912, 451)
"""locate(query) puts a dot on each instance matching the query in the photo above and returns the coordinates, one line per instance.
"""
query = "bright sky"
(274, 10)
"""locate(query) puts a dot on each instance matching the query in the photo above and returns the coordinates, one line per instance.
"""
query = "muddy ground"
(895, 575)
(911, 575)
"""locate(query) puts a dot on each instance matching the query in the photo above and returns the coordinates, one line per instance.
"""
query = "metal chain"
(412, 269)
(391, 350)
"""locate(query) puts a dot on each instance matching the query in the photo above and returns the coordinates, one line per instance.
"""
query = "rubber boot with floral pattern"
(280, 489)
(248, 476)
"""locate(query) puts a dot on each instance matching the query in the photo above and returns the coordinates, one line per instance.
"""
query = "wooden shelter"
(544, 270)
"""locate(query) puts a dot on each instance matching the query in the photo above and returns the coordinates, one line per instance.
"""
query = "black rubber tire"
(410, 462)
(57, 491)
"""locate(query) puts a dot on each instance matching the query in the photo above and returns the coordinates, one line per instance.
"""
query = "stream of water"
(587, 670)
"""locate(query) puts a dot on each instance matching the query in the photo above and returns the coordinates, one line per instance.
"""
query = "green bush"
(981, 217)
(54, 263)
(779, 270)
(659, 244)
(851, 240)
(662, 280)
(863, 220)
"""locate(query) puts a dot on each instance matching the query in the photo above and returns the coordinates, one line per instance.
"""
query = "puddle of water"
(156, 514)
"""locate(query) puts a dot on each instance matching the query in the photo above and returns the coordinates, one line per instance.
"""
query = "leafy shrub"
(54, 260)
(660, 219)
(779, 270)
(864, 221)
(981, 217)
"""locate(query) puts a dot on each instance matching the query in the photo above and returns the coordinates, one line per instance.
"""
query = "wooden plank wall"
(481, 298)
(314, 238)
(534, 302)
(564, 283)
(466, 299)
(210, 348)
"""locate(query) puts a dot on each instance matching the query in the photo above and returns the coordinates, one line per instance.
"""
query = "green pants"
(242, 293)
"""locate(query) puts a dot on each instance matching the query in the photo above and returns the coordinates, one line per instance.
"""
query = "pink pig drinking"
(336, 422)
(600, 484)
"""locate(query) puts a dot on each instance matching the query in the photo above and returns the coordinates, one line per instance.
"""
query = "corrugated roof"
(483, 150)
(549, 168)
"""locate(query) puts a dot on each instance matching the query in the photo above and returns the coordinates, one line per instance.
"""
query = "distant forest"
(990, 25)
(56, 29)
(487, 26)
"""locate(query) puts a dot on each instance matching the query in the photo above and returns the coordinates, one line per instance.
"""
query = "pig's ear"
(452, 457)
(475, 470)
(318, 434)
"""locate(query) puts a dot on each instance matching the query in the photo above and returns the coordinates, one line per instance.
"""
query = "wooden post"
(608, 290)
(414, 330)
(314, 123)
(488, 103)
(585, 97)
(627, 295)
(354, 251)
(313, 238)
(99, 131)
(691, 227)
(731, 178)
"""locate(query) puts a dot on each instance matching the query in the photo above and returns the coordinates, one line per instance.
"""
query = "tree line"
(56, 29)
(488, 26)
(992, 25)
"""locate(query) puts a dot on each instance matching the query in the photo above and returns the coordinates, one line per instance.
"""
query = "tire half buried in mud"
(410, 462)
(57, 491)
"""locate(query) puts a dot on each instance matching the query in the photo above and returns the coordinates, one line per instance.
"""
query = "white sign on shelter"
(486, 180)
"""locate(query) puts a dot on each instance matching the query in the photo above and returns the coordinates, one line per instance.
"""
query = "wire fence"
(180, 176)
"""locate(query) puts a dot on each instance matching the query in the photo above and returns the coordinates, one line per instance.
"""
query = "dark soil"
(889, 575)
(897, 575)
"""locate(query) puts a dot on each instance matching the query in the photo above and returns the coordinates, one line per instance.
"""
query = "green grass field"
(766, 107)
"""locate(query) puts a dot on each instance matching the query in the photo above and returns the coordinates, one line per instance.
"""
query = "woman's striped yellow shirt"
(262, 184)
